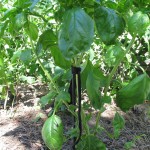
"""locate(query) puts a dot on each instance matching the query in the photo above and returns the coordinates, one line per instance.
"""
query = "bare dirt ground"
(20, 125)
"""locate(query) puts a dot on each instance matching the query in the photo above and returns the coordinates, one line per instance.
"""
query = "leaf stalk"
(49, 77)
(117, 65)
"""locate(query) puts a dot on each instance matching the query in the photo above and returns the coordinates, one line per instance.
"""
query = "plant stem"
(38, 15)
(73, 113)
(97, 121)
(116, 66)
(85, 124)
(44, 70)
(6, 99)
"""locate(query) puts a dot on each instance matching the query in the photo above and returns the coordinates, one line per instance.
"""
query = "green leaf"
(91, 142)
(98, 74)
(11, 27)
(73, 132)
(141, 3)
(138, 23)
(9, 13)
(92, 86)
(129, 145)
(28, 79)
(26, 55)
(76, 33)
(134, 93)
(1, 61)
(32, 30)
(47, 99)
(3, 27)
(118, 124)
(106, 99)
(123, 6)
(23, 3)
(20, 20)
(87, 67)
(16, 56)
(111, 4)
(52, 133)
(109, 24)
(48, 40)
(62, 96)
(147, 36)
(113, 54)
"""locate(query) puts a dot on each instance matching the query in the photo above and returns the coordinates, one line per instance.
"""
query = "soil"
(21, 124)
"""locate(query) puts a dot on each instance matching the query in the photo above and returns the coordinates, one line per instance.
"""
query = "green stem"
(6, 99)
(42, 67)
(38, 15)
(97, 121)
(85, 124)
(116, 66)
(73, 113)
(148, 44)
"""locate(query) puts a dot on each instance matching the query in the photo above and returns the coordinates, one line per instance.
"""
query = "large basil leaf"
(48, 40)
(76, 33)
(52, 133)
(91, 142)
(134, 93)
(109, 24)
(138, 23)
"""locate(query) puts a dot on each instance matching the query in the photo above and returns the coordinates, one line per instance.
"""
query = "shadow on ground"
(28, 133)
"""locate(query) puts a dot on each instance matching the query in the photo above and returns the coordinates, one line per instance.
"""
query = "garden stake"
(75, 86)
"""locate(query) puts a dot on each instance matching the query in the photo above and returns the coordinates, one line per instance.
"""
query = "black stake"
(74, 98)
(76, 84)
